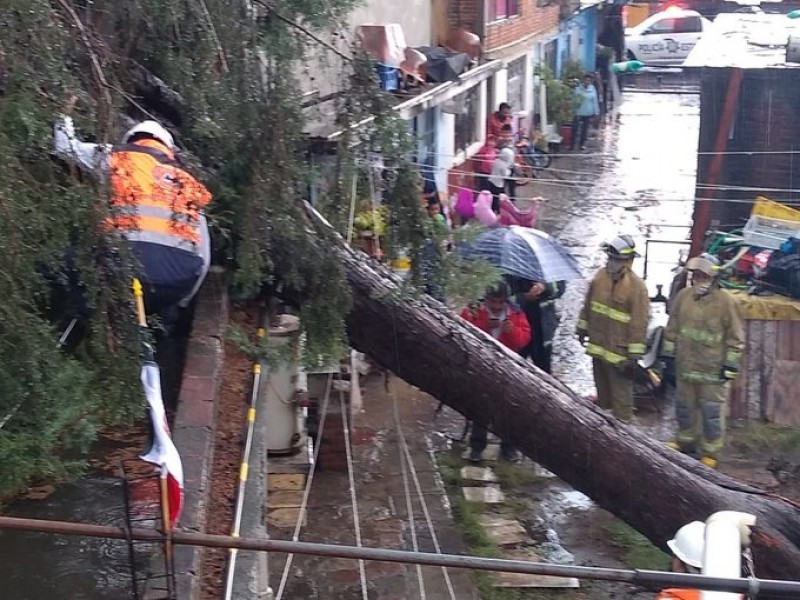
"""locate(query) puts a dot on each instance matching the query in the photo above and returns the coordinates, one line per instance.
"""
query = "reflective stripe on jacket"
(705, 334)
(615, 317)
(153, 199)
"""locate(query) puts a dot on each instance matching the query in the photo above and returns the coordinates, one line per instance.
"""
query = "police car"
(665, 38)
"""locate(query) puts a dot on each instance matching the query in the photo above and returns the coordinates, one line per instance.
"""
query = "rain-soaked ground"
(36, 566)
(636, 176)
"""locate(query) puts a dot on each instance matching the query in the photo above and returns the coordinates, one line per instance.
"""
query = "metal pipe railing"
(244, 469)
(648, 579)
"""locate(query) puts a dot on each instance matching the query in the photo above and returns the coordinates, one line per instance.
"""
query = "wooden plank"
(754, 358)
(768, 361)
(783, 404)
(736, 399)
(794, 334)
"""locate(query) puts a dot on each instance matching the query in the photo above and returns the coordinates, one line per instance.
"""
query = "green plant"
(372, 220)
(572, 73)
(636, 549)
(560, 97)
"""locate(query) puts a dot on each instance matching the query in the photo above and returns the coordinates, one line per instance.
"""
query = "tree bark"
(654, 489)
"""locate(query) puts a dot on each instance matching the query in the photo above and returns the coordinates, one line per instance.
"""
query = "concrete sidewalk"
(382, 507)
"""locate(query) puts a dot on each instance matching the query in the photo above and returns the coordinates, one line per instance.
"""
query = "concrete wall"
(414, 16)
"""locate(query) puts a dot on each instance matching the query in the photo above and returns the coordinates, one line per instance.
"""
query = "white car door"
(687, 31)
(650, 46)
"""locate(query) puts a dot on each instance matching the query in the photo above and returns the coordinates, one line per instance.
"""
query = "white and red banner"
(163, 451)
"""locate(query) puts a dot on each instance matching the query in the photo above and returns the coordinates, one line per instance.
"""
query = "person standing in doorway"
(705, 338)
(613, 326)
(501, 181)
(499, 118)
(500, 319)
(588, 110)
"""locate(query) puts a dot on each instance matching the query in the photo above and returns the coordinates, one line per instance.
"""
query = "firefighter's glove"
(628, 367)
(729, 373)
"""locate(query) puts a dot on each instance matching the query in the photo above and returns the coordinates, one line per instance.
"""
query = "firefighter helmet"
(621, 246)
(153, 129)
(689, 543)
(705, 263)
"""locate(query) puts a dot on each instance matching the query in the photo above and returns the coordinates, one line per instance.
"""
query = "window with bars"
(516, 83)
(466, 126)
(497, 10)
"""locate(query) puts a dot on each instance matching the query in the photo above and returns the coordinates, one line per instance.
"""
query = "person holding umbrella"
(524, 252)
(613, 326)
(505, 323)
(538, 301)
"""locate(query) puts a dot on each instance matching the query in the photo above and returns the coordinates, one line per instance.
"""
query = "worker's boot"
(709, 461)
(674, 445)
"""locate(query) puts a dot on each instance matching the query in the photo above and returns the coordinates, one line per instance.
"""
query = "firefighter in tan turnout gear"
(613, 326)
(705, 337)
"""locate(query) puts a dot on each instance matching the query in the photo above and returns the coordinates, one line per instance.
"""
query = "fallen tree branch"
(652, 488)
(95, 61)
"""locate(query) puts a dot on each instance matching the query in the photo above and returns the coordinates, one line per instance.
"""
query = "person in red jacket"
(509, 326)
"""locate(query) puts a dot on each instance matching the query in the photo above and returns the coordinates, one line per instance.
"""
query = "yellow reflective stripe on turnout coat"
(704, 334)
(615, 317)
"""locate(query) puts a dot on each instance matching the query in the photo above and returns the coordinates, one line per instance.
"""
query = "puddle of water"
(44, 567)
(575, 500)
(553, 551)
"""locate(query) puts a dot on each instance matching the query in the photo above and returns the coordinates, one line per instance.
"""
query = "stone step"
(525, 580)
(484, 474)
(490, 494)
(504, 531)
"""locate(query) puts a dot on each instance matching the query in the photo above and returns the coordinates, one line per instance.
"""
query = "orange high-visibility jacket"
(153, 199)
(679, 594)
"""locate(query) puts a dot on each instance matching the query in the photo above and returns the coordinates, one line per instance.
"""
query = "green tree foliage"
(225, 78)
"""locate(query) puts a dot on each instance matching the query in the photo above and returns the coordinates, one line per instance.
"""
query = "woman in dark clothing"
(538, 302)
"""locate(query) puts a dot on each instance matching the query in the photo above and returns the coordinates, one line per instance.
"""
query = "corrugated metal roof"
(747, 41)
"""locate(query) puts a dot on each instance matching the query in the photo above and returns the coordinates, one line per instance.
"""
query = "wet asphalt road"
(637, 176)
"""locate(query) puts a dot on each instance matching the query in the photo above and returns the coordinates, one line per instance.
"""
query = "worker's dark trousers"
(167, 274)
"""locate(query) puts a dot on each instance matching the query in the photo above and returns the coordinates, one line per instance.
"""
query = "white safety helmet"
(621, 246)
(152, 128)
(705, 263)
(689, 543)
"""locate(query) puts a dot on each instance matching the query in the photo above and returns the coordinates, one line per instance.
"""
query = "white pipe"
(726, 532)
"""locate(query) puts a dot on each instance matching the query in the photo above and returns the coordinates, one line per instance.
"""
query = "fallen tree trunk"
(652, 488)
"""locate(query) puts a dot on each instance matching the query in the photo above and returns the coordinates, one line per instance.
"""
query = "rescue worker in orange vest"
(705, 338)
(154, 203)
(613, 326)
(687, 547)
